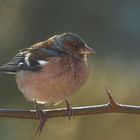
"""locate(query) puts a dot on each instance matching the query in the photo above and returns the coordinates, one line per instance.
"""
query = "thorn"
(112, 101)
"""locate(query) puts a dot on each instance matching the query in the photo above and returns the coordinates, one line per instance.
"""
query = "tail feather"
(13, 66)
(8, 69)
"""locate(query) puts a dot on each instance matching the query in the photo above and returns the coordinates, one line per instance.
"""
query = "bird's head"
(72, 44)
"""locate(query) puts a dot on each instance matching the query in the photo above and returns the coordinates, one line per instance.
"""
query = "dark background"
(112, 28)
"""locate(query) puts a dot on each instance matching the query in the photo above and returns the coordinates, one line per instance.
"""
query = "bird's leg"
(69, 111)
(42, 117)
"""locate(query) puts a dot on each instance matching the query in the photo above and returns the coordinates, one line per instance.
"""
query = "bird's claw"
(42, 117)
(69, 110)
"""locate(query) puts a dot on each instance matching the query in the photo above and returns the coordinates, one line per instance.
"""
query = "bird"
(51, 71)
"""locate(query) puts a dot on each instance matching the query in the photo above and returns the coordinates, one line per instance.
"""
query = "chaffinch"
(51, 71)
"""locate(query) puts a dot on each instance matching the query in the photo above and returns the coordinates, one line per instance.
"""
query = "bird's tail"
(9, 69)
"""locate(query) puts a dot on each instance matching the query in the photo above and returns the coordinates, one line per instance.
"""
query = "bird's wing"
(31, 59)
(19, 62)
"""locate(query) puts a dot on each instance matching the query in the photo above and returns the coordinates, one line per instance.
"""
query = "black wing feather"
(18, 63)
(24, 62)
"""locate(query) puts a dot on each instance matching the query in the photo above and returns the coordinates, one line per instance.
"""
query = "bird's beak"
(87, 50)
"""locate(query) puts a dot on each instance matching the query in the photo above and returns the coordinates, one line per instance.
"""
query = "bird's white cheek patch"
(42, 62)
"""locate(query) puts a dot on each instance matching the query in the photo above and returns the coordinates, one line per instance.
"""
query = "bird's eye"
(76, 46)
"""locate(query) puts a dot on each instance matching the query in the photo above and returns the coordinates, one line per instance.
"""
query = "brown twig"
(111, 107)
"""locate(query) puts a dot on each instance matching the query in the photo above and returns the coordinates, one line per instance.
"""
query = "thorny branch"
(111, 107)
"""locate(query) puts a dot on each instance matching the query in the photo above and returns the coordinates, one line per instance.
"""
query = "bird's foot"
(42, 117)
(69, 110)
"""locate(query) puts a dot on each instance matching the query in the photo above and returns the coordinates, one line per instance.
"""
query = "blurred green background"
(112, 28)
